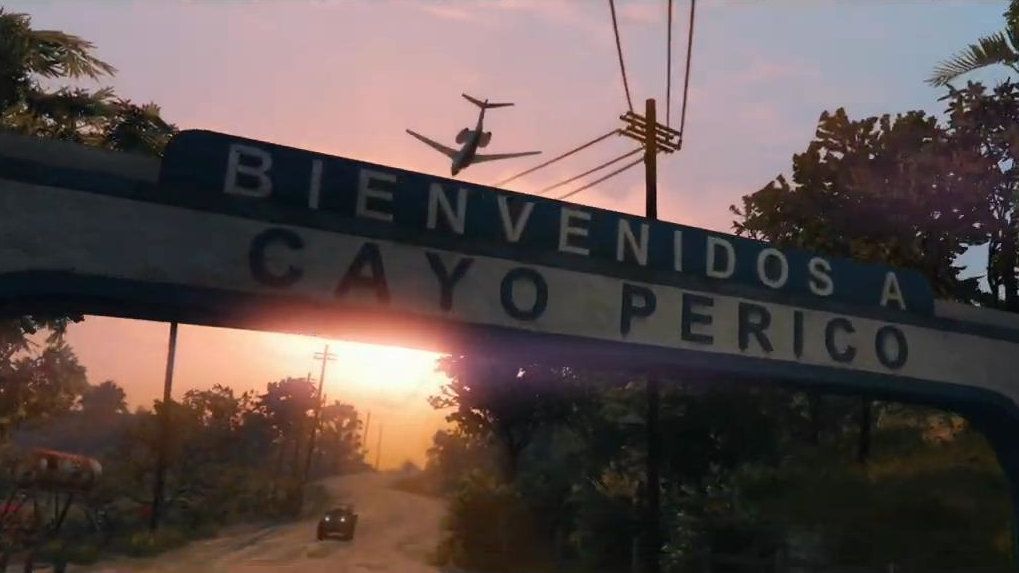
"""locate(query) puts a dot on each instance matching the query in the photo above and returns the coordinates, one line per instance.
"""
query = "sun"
(388, 368)
(363, 368)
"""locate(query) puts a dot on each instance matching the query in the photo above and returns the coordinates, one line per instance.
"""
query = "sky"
(347, 77)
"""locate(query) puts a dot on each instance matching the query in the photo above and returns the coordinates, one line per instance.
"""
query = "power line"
(668, 70)
(686, 77)
(554, 159)
(597, 181)
(635, 128)
(589, 171)
(619, 50)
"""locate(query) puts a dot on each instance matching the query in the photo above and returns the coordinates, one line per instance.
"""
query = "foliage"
(749, 472)
(899, 191)
(505, 403)
(104, 400)
(490, 527)
(999, 48)
(220, 457)
(39, 387)
(30, 60)
(31, 63)
(990, 120)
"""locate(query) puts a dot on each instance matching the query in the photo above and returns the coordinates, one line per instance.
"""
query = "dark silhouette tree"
(287, 405)
(989, 120)
(900, 191)
(104, 400)
(505, 401)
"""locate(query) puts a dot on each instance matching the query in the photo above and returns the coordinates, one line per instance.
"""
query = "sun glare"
(391, 371)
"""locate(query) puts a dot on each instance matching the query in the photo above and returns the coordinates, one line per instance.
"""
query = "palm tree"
(31, 61)
(98, 117)
(1000, 48)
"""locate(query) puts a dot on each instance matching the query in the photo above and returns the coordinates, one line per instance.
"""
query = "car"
(339, 521)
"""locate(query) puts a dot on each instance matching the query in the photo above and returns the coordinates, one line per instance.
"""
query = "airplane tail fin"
(484, 104)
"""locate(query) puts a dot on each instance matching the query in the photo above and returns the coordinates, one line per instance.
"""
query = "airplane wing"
(478, 158)
(448, 152)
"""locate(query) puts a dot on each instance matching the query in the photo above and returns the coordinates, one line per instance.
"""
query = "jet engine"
(485, 138)
(463, 135)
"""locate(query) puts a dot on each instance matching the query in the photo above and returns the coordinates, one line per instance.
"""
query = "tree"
(287, 405)
(900, 191)
(30, 62)
(504, 401)
(98, 117)
(217, 407)
(338, 445)
(42, 386)
(1000, 48)
(989, 120)
(904, 192)
(104, 400)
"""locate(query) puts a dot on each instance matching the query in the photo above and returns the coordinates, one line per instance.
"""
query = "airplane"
(471, 140)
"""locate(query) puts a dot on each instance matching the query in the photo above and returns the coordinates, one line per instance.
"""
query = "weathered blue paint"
(196, 167)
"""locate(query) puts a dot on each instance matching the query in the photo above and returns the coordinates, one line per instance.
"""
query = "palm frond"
(988, 51)
(1012, 22)
(56, 54)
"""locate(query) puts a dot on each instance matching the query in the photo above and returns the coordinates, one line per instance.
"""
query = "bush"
(60, 552)
(147, 544)
(603, 514)
(491, 527)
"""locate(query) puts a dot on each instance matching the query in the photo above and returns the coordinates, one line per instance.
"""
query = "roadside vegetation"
(231, 458)
(544, 467)
(544, 471)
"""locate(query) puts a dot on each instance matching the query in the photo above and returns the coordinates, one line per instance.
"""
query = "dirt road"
(395, 532)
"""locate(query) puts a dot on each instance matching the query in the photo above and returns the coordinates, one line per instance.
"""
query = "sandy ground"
(395, 532)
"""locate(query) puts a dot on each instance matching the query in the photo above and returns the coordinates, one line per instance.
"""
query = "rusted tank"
(57, 471)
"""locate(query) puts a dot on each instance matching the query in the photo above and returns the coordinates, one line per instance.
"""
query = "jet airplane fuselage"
(470, 140)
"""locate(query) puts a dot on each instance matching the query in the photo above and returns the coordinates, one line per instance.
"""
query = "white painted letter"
(513, 230)
(566, 230)
(315, 185)
(677, 250)
(762, 267)
(713, 244)
(259, 171)
(365, 191)
(624, 236)
(437, 198)
(820, 281)
(892, 291)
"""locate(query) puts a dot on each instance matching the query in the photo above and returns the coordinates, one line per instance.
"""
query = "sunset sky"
(347, 77)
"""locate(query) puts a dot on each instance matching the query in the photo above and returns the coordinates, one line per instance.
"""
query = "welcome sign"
(235, 228)
(327, 192)
(240, 233)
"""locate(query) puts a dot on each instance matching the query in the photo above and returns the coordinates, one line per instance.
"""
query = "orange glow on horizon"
(392, 383)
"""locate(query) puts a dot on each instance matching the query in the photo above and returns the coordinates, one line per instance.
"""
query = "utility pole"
(654, 137)
(164, 430)
(378, 448)
(325, 356)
